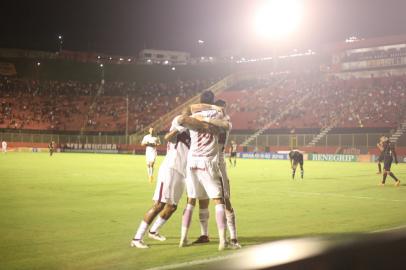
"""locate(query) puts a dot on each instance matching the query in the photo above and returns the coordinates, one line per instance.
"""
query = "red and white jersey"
(204, 144)
(152, 140)
(223, 139)
(177, 152)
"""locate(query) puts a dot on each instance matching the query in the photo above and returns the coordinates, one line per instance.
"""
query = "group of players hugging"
(195, 160)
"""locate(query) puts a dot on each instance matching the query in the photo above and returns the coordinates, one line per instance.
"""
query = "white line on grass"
(192, 263)
(390, 229)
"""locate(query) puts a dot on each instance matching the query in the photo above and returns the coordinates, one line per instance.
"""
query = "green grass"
(79, 211)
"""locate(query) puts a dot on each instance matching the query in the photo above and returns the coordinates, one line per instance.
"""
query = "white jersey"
(177, 152)
(149, 139)
(3, 145)
(204, 144)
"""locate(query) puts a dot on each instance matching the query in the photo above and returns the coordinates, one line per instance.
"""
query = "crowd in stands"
(310, 100)
(352, 103)
(73, 105)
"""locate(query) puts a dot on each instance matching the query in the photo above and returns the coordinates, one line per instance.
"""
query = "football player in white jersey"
(203, 179)
(4, 146)
(170, 185)
(204, 205)
(151, 142)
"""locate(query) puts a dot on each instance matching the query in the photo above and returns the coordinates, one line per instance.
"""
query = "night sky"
(125, 27)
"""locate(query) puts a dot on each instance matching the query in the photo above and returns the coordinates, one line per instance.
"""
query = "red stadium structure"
(340, 100)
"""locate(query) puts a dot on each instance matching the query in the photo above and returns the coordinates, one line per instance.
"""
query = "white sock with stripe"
(232, 229)
(141, 230)
(204, 215)
(221, 221)
(186, 220)
(159, 222)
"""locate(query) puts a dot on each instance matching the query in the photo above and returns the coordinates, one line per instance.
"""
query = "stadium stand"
(73, 105)
(352, 103)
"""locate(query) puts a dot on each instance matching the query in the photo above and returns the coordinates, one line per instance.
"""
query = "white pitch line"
(219, 258)
(344, 196)
(390, 229)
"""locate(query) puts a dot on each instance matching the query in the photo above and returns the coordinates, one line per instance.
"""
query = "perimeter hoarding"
(254, 155)
(331, 157)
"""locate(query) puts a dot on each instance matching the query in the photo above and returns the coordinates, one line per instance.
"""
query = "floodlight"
(278, 18)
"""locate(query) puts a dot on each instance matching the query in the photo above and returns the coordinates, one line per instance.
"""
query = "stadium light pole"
(126, 122)
(60, 42)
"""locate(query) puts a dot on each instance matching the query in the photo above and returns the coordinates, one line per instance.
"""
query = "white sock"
(221, 221)
(186, 219)
(159, 222)
(232, 229)
(141, 230)
(204, 215)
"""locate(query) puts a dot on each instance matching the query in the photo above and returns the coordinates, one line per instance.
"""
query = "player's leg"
(220, 209)
(230, 159)
(387, 162)
(186, 220)
(211, 181)
(174, 187)
(192, 186)
(387, 168)
(162, 218)
(142, 228)
(204, 215)
(294, 166)
(379, 167)
(301, 169)
(152, 169)
(235, 159)
(231, 224)
(230, 213)
(148, 170)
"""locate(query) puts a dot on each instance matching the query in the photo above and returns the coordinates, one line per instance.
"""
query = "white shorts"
(150, 157)
(170, 186)
(225, 180)
(203, 179)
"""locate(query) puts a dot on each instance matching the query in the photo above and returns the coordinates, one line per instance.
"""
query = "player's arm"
(380, 147)
(194, 124)
(220, 123)
(171, 135)
(395, 157)
(144, 142)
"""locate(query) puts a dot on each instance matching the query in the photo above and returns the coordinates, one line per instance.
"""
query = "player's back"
(177, 152)
(204, 144)
(388, 148)
(295, 155)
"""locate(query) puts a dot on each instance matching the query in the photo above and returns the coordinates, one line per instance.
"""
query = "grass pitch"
(80, 211)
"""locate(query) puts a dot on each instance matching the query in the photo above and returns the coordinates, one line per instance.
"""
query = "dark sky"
(125, 27)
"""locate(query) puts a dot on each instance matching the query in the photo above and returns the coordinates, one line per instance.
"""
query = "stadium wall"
(359, 143)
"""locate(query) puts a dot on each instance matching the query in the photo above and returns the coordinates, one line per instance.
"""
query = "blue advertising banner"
(262, 155)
